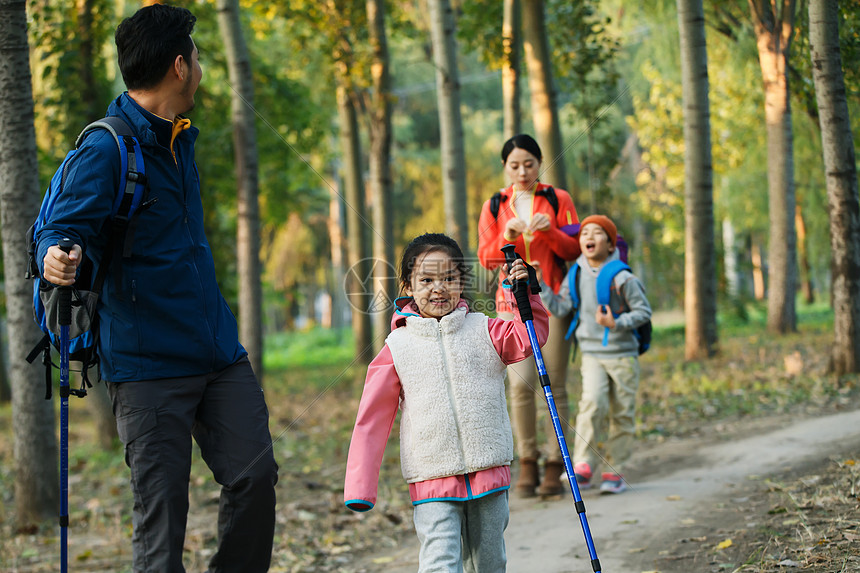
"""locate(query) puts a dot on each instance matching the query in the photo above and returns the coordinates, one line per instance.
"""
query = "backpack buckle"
(136, 177)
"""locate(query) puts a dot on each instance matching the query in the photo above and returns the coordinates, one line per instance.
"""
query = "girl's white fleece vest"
(454, 419)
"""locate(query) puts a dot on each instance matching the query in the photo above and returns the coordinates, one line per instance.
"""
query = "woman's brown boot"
(528, 480)
(551, 484)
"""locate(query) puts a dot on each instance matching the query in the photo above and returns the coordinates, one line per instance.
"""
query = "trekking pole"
(521, 294)
(64, 310)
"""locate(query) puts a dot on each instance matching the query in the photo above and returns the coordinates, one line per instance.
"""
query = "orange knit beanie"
(605, 222)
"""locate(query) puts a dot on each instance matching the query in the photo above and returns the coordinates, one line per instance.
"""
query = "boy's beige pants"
(606, 421)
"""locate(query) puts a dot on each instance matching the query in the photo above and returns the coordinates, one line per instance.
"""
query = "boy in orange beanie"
(610, 355)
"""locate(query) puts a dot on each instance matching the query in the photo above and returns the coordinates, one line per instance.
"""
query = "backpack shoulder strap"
(496, 203)
(114, 125)
(573, 287)
(132, 172)
(605, 278)
(573, 284)
(604, 287)
(132, 189)
(551, 197)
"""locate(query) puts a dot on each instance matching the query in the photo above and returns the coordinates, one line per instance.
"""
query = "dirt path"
(685, 489)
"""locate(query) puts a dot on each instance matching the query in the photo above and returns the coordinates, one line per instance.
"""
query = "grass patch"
(308, 348)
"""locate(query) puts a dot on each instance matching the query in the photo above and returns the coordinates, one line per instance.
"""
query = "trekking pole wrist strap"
(520, 287)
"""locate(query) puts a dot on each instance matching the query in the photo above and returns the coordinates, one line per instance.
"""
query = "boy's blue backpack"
(130, 201)
(606, 296)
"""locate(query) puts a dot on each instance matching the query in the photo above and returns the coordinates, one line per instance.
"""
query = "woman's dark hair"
(427, 243)
(521, 141)
(148, 42)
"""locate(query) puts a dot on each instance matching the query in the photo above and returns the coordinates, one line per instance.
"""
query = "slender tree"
(700, 288)
(543, 93)
(841, 171)
(35, 449)
(512, 41)
(338, 258)
(805, 274)
(443, 32)
(5, 389)
(380, 172)
(774, 23)
(356, 221)
(247, 181)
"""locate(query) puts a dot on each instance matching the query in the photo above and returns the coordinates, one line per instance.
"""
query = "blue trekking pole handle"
(521, 295)
(64, 318)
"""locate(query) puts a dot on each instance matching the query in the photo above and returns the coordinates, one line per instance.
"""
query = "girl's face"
(522, 168)
(435, 284)
(595, 243)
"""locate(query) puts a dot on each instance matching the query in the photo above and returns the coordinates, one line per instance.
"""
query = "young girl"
(445, 368)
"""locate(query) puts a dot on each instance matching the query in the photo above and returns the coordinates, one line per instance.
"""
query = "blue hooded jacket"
(166, 318)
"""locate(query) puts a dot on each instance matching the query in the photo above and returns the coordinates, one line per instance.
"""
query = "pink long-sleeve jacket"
(378, 408)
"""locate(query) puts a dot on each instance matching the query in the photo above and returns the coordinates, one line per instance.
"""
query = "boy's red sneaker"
(582, 472)
(612, 483)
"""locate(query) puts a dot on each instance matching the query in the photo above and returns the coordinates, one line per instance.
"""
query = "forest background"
(297, 85)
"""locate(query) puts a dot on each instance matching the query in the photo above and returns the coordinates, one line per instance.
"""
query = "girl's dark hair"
(148, 42)
(521, 141)
(430, 242)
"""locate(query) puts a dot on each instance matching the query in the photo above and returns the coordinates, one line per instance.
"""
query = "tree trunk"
(589, 157)
(730, 260)
(87, 59)
(336, 232)
(380, 174)
(759, 265)
(356, 221)
(774, 22)
(543, 94)
(5, 389)
(700, 288)
(512, 40)
(247, 181)
(806, 286)
(841, 171)
(443, 33)
(35, 448)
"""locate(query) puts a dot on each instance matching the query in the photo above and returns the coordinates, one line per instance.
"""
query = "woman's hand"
(540, 222)
(514, 228)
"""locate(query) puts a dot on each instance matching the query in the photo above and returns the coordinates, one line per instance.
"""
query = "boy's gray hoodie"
(589, 334)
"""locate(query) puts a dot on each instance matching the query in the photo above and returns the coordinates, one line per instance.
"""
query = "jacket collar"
(406, 311)
(127, 109)
(508, 192)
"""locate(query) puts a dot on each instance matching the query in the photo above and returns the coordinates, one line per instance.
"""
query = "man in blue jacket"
(168, 345)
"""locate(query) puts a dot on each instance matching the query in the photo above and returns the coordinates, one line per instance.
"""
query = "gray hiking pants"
(462, 536)
(226, 414)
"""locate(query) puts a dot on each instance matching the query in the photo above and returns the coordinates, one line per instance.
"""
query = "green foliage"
(69, 90)
(314, 348)
(479, 29)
